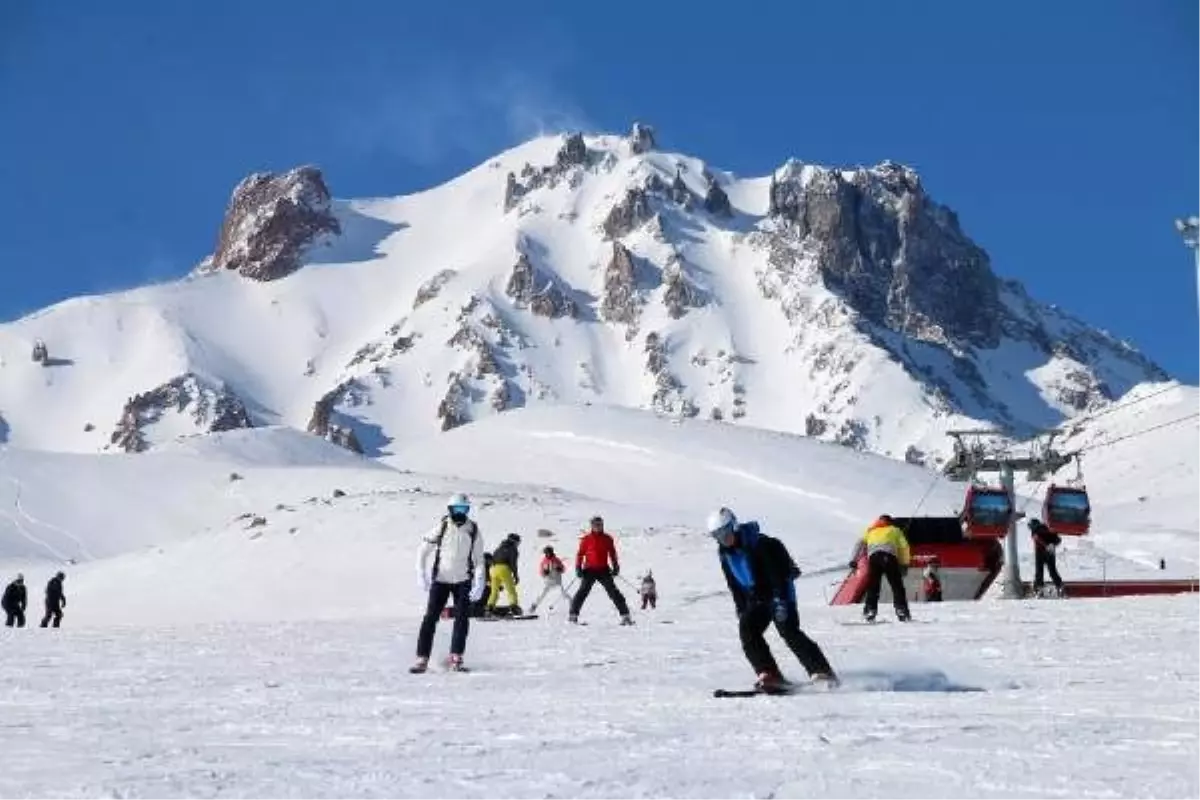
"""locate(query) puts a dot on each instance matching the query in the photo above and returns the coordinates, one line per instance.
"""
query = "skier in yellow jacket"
(887, 554)
(504, 574)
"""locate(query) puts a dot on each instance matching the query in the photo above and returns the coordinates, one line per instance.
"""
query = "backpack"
(437, 555)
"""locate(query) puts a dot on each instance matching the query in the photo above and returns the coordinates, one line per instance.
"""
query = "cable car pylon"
(990, 511)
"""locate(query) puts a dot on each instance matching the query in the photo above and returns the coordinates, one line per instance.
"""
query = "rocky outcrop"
(432, 287)
(631, 212)
(620, 301)
(210, 409)
(900, 259)
(716, 202)
(679, 293)
(641, 139)
(668, 396)
(453, 410)
(321, 422)
(574, 154)
(271, 220)
(679, 192)
(530, 288)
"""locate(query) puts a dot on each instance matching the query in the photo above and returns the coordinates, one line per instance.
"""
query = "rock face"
(628, 214)
(716, 202)
(271, 220)
(641, 139)
(210, 409)
(620, 301)
(530, 288)
(321, 424)
(573, 154)
(900, 259)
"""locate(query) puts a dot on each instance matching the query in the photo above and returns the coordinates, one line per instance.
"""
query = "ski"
(509, 618)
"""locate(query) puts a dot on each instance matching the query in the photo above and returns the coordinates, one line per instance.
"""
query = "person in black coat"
(1045, 558)
(15, 599)
(759, 572)
(56, 600)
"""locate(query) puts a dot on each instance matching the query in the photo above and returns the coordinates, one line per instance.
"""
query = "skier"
(551, 569)
(648, 591)
(887, 556)
(56, 601)
(14, 602)
(931, 587)
(504, 574)
(596, 552)
(1045, 545)
(451, 565)
(760, 571)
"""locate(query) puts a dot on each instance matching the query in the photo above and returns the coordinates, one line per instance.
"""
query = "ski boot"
(573, 619)
(825, 680)
(626, 619)
(455, 663)
(903, 616)
(868, 616)
(421, 666)
(771, 682)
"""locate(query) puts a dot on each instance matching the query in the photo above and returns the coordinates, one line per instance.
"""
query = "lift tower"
(971, 458)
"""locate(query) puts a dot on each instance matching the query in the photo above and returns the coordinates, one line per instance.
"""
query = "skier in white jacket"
(450, 564)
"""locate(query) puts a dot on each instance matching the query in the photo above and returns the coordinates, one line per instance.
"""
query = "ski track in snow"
(990, 700)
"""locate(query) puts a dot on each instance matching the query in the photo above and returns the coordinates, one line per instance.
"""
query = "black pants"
(52, 613)
(14, 616)
(880, 565)
(753, 624)
(590, 578)
(1045, 560)
(439, 593)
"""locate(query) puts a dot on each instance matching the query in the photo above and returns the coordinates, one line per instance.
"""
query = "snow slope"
(407, 323)
(269, 659)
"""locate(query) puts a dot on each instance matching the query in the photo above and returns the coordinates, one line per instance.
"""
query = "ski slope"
(203, 654)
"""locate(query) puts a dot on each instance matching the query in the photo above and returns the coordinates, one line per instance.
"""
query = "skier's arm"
(735, 589)
(612, 556)
(428, 545)
(479, 579)
(902, 548)
(778, 565)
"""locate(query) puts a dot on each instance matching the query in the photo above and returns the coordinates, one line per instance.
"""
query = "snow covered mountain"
(844, 304)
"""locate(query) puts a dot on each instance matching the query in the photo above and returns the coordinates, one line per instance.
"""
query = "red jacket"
(596, 550)
(551, 564)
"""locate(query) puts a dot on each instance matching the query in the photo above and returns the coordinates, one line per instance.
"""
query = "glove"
(476, 590)
(1050, 548)
(904, 571)
(425, 586)
(579, 573)
(780, 610)
(853, 565)
(616, 570)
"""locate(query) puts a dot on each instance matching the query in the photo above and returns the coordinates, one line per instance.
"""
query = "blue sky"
(1064, 133)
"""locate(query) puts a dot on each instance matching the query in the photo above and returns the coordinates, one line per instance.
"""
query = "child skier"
(649, 591)
(931, 587)
(551, 569)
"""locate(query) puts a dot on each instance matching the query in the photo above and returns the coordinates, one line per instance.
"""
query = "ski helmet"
(459, 503)
(720, 523)
(596, 521)
(547, 550)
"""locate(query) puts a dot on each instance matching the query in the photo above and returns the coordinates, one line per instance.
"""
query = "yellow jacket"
(883, 536)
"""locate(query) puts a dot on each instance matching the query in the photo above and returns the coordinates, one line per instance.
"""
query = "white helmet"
(720, 522)
(458, 499)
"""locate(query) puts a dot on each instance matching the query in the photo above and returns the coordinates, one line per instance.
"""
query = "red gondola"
(986, 513)
(1066, 510)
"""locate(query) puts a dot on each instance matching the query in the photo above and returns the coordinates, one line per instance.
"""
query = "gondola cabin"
(986, 513)
(1066, 510)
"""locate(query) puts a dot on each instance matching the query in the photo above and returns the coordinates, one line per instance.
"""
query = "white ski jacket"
(459, 560)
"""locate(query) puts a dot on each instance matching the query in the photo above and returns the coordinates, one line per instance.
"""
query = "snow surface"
(204, 656)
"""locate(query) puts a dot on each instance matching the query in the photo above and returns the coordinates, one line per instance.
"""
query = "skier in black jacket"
(1045, 543)
(15, 599)
(760, 572)
(56, 601)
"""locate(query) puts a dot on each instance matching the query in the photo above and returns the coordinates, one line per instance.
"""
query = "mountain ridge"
(844, 304)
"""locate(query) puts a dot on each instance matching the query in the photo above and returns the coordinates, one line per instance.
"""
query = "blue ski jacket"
(758, 569)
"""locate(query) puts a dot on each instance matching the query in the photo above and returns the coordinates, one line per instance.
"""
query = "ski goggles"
(464, 510)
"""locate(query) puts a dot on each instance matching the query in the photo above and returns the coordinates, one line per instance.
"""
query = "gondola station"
(971, 549)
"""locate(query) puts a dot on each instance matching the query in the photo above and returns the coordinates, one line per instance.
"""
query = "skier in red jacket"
(592, 565)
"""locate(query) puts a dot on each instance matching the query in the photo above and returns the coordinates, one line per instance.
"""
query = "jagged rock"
(915, 455)
(898, 258)
(40, 354)
(679, 192)
(321, 424)
(432, 287)
(513, 192)
(212, 409)
(679, 294)
(574, 152)
(529, 287)
(815, 426)
(716, 202)
(620, 302)
(628, 214)
(452, 410)
(641, 139)
(271, 221)
(338, 493)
